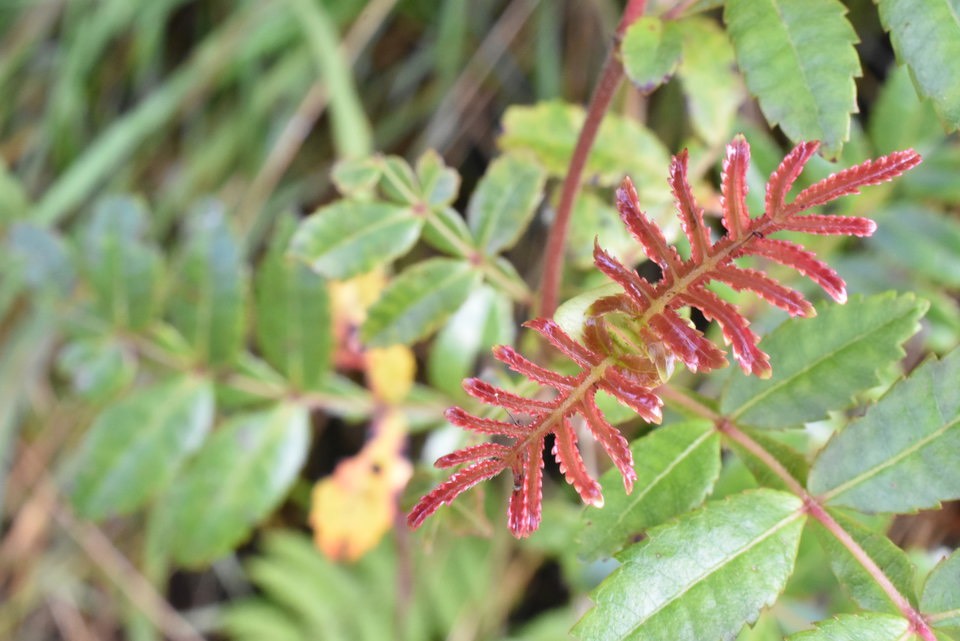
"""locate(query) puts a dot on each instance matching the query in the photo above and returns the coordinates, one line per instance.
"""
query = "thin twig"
(610, 79)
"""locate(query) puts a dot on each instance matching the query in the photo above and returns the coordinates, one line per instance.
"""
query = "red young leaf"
(630, 340)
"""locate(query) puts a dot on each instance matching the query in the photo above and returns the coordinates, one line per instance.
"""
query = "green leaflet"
(858, 583)
(940, 599)
(858, 627)
(135, 446)
(623, 146)
(356, 176)
(418, 301)
(97, 366)
(713, 89)
(235, 480)
(504, 202)
(902, 456)
(798, 59)
(348, 238)
(123, 269)
(900, 120)
(439, 184)
(650, 52)
(792, 460)
(446, 230)
(702, 576)
(924, 240)
(484, 320)
(820, 363)
(208, 302)
(677, 466)
(926, 36)
(293, 325)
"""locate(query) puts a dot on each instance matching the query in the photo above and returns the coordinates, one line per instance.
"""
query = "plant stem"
(817, 511)
(610, 79)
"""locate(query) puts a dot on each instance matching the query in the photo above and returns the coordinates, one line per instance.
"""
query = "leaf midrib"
(727, 560)
(398, 215)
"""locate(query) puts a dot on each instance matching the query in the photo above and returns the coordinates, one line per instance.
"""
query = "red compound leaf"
(630, 340)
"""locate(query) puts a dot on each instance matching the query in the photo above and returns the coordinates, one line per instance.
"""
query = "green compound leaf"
(504, 202)
(713, 89)
(926, 36)
(858, 583)
(799, 60)
(902, 456)
(651, 52)
(702, 576)
(208, 303)
(820, 363)
(623, 146)
(123, 269)
(940, 600)
(858, 627)
(135, 446)
(418, 301)
(293, 326)
(241, 473)
(349, 237)
(677, 466)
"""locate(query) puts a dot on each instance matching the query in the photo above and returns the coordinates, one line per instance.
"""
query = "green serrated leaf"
(899, 119)
(122, 268)
(136, 445)
(208, 302)
(439, 184)
(651, 51)
(902, 455)
(504, 202)
(672, 586)
(97, 366)
(940, 600)
(921, 239)
(858, 583)
(418, 301)
(623, 146)
(484, 320)
(446, 230)
(293, 324)
(348, 238)
(713, 89)
(677, 466)
(236, 479)
(858, 627)
(926, 36)
(819, 364)
(356, 177)
(798, 59)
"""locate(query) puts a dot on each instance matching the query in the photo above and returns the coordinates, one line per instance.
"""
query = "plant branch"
(610, 79)
(817, 511)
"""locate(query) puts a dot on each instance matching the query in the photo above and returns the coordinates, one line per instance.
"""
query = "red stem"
(818, 512)
(610, 79)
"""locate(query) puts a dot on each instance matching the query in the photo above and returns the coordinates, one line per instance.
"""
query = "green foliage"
(823, 362)
(178, 363)
(678, 465)
(899, 457)
(695, 591)
(798, 59)
(136, 445)
(926, 36)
